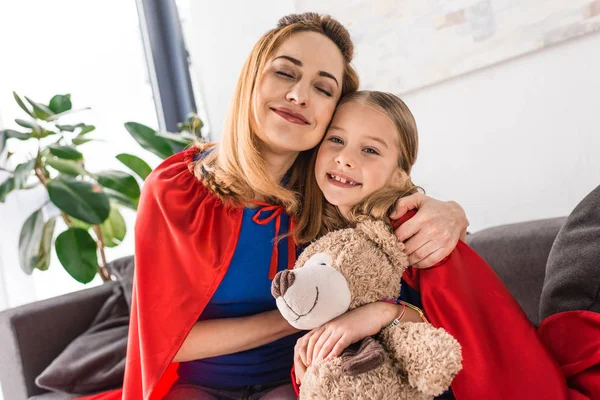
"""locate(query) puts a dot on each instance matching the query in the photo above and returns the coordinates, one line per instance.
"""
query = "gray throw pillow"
(572, 273)
(95, 361)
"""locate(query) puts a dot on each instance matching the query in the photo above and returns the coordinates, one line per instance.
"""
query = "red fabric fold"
(573, 338)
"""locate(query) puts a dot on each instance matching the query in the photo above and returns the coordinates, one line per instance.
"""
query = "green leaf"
(6, 187)
(80, 224)
(82, 200)
(41, 111)
(44, 134)
(114, 228)
(3, 139)
(66, 166)
(86, 129)
(28, 124)
(60, 103)
(177, 139)
(23, 172)
(22, 105)
(65, 152)
(148, 139)
(12, 134)
(68, 128)
(122, 199)
(80, 140)
(136, 164)
(76, 250)
(120, 181)
(44, 253)
(29, 241)
(35, 242)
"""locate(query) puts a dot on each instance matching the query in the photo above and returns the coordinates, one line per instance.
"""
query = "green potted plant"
(89, 202)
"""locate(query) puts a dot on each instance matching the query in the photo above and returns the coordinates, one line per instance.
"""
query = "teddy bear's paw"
(430, 356)
(328, 381)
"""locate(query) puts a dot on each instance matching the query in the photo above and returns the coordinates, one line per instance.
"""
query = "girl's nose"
(344, 160)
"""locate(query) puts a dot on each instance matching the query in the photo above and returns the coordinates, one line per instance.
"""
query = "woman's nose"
(282, 282)
(298, 94)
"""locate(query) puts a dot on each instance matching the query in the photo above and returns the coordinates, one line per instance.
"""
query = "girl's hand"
(433, 232)
(331, 339)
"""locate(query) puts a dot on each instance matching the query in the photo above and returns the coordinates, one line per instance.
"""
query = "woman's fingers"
(406, 204)
(422, 252)
(431, 259)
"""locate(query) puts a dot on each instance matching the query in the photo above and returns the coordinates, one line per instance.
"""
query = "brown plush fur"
(421, 361)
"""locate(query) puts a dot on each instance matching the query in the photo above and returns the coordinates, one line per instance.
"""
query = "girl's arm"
(231, 335)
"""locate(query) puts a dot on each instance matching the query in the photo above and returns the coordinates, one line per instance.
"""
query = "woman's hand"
(331, 339)
(433, 232)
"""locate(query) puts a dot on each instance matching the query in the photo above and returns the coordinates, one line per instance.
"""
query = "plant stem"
(40, 175)
(102, 270)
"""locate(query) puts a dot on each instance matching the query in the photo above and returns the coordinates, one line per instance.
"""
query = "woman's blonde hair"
(235, 170)
(380, 203)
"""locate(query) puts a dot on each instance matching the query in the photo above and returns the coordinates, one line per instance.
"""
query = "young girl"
(362, 166)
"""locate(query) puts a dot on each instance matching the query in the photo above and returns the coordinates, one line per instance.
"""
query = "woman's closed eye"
(324, 91)
(284, 74)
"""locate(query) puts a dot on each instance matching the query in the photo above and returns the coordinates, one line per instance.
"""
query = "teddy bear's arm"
(429, 356)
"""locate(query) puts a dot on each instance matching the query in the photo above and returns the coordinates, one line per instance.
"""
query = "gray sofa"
(33, 335)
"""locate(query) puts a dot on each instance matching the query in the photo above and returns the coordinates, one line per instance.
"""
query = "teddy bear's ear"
(381, 234)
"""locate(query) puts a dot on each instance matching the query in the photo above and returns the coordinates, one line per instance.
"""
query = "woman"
(202, 313)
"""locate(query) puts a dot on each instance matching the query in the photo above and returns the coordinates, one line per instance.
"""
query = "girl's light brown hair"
(235, 170)
(380, 203)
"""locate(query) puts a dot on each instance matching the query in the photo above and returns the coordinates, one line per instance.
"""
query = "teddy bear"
(346, 269)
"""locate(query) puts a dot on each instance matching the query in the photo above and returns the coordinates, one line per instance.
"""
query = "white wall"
(516, 141)
(97, 56)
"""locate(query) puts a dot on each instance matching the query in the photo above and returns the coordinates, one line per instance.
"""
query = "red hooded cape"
(185, 238)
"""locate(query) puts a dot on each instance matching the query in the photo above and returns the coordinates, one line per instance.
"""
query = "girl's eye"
(325, 92)
(284, 74)
(371, 150)
(336, 140)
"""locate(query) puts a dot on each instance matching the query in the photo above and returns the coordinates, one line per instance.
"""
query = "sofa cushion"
(518, 254)
(53, 396)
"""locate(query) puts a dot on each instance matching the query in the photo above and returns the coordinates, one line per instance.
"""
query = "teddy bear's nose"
(282, 282)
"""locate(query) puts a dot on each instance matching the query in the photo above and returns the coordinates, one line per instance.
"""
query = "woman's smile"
(290, 115)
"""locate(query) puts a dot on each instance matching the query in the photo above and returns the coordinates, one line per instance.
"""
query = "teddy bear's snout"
(282, 282)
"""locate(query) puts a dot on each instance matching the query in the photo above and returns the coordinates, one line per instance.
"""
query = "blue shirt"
(246, 290)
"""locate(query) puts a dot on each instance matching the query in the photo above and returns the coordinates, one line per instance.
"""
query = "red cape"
(183, 254)
(503, 356)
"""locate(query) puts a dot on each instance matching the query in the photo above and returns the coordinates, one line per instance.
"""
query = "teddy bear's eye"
(323, 264)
